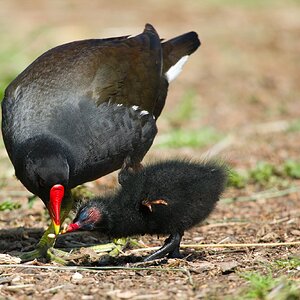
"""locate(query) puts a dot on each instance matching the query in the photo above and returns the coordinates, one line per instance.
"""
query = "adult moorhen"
(84, 109)
(164, 198)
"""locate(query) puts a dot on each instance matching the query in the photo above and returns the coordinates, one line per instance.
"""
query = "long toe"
(32, 255)
(155, 255)
(47, 253)
(58, 256)
(46, 242)
(175, 254)
(170, 248)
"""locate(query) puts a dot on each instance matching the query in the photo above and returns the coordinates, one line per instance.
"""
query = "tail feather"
(178, 47)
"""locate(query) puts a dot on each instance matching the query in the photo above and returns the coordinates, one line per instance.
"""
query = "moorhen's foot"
(50, 254)
(170, 247)
(175, 253)
(113, 248)
(35, 254)
(44, 249)
(127, 170)
(58, 256)
(46, 242)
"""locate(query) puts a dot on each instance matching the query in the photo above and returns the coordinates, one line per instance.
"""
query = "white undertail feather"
(174, 71)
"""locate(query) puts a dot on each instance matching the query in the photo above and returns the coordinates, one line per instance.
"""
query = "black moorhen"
(84, 109)
(165, 198)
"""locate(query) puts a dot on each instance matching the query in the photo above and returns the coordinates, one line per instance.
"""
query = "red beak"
(56, 195)
(72, 227)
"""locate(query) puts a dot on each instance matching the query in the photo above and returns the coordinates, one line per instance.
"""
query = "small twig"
(224, 224)
(268, 127)
(144, 249)
(278, 221)
(95, 269)
(220, 146)
(199, 246)
(53, 289)
(190, 278)
(17, 287)
(262, 195)
(240, 245)
(235, 136)
(103, 248)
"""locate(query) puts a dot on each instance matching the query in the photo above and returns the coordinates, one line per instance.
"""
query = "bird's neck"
(120, 219)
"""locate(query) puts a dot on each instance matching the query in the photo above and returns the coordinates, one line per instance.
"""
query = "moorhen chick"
(165, 198)
(87, 108)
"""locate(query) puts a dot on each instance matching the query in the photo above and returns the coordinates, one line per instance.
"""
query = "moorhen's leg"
(43, 248)
(170, 247)
(128, 168)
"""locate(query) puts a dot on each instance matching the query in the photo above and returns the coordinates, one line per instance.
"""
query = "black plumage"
(86, 108)
(164, 198)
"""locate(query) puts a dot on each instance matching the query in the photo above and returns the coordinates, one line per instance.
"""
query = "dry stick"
(190, 278)
(263, 128)
(18, 287)
(200, 246)
(240, 245)
(264, 195)
(53, 289)
(97, 269)
(94, 269)
(219, 147)
(224, 224)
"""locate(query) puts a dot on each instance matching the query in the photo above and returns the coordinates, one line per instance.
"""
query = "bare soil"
(246, 80)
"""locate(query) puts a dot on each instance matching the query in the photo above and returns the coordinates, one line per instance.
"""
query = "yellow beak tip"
(56, 228)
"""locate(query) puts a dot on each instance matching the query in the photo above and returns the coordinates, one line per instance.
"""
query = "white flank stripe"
(144, 112)
(174, 71)
(135, 107)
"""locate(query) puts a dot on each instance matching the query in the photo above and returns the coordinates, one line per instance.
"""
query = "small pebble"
(16, 280)
(77, 276)
(51, 236)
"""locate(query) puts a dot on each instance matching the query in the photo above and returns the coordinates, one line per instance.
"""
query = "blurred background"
(245, 75)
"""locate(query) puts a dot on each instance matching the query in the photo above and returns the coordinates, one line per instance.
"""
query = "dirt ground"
(245, 82)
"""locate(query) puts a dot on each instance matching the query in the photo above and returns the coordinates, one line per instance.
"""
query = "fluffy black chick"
(164, 198)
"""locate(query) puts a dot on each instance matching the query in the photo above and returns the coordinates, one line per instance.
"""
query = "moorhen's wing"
(130, 72)
(105, 136)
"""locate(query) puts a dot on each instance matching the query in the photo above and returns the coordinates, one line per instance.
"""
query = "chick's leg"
(44, 248)
(170, 247)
